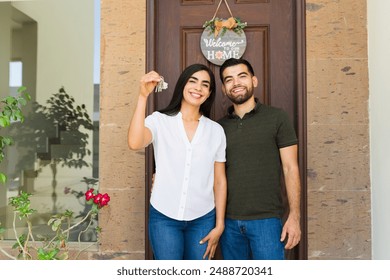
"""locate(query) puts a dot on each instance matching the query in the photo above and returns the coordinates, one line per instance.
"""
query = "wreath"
(215, 25)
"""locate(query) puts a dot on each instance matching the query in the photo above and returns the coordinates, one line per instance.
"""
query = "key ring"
(161, 85)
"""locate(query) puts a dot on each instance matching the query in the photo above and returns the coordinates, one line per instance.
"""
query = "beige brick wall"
(339, 223)
(123, 25)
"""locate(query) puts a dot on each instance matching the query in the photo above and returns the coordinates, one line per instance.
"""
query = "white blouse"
(184, 179)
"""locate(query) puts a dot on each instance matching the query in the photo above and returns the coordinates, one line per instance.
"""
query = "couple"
(209, 187)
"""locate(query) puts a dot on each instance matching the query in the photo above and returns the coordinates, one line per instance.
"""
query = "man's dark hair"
(232, 62)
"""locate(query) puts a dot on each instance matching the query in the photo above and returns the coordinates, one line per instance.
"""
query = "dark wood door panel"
(269, 46)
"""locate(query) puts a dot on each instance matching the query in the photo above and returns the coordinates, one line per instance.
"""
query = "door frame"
(301, 251)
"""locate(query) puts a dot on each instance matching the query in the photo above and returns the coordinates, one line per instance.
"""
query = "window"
(15, 74)
(52, 46)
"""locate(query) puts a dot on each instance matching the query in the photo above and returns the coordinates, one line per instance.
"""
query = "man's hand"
(292, 232)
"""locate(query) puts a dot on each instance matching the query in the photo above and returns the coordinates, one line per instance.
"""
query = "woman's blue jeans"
(178, 240)
(252, 239)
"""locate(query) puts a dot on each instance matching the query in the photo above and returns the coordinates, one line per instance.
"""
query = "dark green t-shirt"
(253, 165)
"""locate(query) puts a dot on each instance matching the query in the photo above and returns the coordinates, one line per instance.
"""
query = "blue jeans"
(178, 240)
(252, 239)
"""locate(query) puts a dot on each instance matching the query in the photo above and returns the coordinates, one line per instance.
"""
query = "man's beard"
(240, 99)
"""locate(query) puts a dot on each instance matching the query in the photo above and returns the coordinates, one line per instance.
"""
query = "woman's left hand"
(212, 241)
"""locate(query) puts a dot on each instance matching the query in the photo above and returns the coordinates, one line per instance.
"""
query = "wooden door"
(275, 48)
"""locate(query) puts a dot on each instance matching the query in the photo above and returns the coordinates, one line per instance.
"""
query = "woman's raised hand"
(148, 82)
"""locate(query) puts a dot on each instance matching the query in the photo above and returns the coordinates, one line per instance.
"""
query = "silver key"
(161, 85)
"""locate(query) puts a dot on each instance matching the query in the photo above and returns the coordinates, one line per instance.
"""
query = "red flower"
(104, 200)
(89, 194)
(97, 198)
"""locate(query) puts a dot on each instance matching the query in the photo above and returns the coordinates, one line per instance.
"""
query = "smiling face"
(238, 83)
(197, 89)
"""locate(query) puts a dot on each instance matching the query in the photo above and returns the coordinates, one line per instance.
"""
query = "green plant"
(63, 113)
(54, 248)
(11, 112)
(61, 120)
(56, 133)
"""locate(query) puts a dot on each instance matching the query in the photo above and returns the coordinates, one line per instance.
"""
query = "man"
(261, 143)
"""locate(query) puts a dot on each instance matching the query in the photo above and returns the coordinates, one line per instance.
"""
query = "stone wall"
(123, 25)
(339, 223)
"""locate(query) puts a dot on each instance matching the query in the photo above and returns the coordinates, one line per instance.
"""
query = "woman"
(187, 205)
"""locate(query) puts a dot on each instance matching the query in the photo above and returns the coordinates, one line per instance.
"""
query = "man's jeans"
(177, 240)
(252, 239)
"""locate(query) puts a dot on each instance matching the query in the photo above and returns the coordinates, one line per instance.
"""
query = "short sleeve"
(151, 123)
(286, 135)
(221, 151)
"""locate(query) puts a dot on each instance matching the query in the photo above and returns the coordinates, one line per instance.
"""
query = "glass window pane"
(52, 46)
(15, 74)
